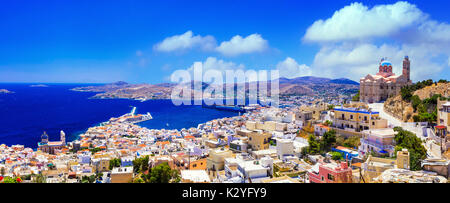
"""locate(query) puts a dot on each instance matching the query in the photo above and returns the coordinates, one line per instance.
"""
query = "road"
(380, 108)
(392, 121)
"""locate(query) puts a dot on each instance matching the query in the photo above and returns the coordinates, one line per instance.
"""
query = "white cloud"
(348, 47)
(186, 41)
(239, 45)
(434, 32)
(357, 60)
(212, 63)
(236, 46)
(289, 68)
(357, 21)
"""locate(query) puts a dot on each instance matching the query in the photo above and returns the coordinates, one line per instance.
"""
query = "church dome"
(44, 135)
(386, 63)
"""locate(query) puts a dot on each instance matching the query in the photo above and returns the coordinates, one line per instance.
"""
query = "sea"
(29, 111)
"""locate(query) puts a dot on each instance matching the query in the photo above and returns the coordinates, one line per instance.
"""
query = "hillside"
(5, 91)
(418, 105)
(297, 86)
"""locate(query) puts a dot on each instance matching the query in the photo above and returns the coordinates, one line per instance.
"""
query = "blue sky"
(145, 41)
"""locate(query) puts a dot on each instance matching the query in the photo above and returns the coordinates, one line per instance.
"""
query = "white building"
(285, 147)
(194, 176)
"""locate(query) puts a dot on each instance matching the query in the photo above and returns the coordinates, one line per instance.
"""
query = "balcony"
(377, 144)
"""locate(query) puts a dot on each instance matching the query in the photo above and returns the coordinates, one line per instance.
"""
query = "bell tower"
(63, 137)
(406, 68)
(44, 138)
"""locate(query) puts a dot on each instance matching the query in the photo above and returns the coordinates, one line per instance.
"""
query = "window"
(373, 122)
(330, 177)
(351, 116)
(323, 179)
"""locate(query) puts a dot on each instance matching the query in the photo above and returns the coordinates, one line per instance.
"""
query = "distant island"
(308, 85)
(40, 85)
(123, 90)
(5, 91)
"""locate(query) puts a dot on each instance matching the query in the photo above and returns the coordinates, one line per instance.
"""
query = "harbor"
(132, 117)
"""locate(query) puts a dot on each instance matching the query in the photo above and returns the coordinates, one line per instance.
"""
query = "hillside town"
(307, 139)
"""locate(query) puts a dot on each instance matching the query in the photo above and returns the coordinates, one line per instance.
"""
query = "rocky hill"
(5, 91)
(427, 92)
(400, 109)
(297, 86)
(404, 109)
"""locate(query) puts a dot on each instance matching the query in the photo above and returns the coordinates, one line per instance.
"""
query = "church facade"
(384, 84)
(51, 146)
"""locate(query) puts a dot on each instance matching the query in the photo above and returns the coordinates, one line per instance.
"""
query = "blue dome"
(44, 136)
(386, 63)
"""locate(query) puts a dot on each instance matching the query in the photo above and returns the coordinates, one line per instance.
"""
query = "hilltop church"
(376, 88)
(50, 147)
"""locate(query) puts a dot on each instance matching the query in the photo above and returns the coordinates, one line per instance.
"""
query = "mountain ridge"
(307, 85)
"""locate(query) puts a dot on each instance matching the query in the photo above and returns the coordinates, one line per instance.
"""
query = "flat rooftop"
(384, 132)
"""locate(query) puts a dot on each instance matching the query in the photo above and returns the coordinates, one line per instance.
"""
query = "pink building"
(330, 173)
(376, 88)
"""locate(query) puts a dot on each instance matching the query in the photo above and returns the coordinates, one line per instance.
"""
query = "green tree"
(314, 145)
(114, 163)
(88, 179)
(140, 164)
(415, 100)
(340, 140)
(328, 140)
(39, 178)
(352, 142)
(10, 180)
(95, 150)
(336, 156)
(328, 123)
(271, 143)
(356, 97)
(408, 140)
(162, 173)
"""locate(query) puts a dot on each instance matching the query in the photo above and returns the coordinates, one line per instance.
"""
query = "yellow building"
(357, 120)
(250, 125)
(216, 159)
(122, 175)
(315, 110)
(100, 164)
(374, 166)
(403, 159)
(199, 164)
(259, 140)
(266, 126)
